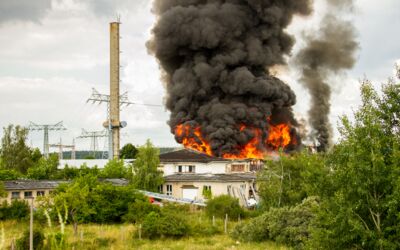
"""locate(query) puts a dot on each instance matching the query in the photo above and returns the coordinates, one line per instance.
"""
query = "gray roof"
(211, 177)
(32, 184)
(187, 155)
(50, 184)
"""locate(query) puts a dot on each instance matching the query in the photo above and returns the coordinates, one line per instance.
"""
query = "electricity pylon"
(46, 128)
(61, 146)
(93, 135)
(96, 97)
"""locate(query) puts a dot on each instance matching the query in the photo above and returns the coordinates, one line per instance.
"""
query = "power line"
(46, 128)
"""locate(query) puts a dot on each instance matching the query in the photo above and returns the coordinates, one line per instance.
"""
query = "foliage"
(168, 223)
(219, 206)
(114, 169)
(17, 210)
(38, 239)
(146, 175)
(128, 151)
(207, 194)
(291, 178)
(138, 210)
(44, 169)
(14, 152)
(9, 174)
(287, 225)
(362, 211)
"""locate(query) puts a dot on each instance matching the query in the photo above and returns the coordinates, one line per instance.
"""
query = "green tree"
(146, 176)
(44, 169)
(362, 210)
(287, 180)
(128, 151)
(114, 169)
(15, 154)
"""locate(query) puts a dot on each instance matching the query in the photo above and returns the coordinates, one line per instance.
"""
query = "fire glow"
(278, 137)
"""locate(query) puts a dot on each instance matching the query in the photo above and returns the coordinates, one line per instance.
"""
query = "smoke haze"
(329, 50)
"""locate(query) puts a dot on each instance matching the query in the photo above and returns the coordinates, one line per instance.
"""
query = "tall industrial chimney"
(114, 88)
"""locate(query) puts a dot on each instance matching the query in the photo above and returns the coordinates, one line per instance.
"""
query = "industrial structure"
(46, 128)
(93, 136)
(61, 147)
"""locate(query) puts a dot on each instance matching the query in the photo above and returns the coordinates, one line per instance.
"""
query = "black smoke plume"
(329, 50)
(216, 56)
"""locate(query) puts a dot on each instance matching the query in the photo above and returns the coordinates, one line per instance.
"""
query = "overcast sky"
(53, 52)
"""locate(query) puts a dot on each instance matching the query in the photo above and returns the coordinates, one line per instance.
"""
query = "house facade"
(192, 175)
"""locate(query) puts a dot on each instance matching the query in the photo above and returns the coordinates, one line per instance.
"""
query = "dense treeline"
(347, 198)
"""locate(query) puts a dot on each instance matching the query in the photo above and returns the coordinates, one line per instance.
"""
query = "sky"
(53, 52)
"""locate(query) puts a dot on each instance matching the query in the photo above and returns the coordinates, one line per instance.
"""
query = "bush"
(38, 239)
(168, 223)
(222, 205)
(287, 225)
(138, 210)
(17, 210)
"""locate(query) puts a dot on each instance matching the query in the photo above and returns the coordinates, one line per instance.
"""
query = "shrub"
(287, 225)
(168, 223)
(17, 210)
(138, 210)
(222, 205)
(38, 239)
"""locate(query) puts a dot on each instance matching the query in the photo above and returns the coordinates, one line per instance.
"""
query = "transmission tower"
(61, 146)
(46, 128)
(93, 135)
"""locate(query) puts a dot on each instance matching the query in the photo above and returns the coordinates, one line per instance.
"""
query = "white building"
(192, 175)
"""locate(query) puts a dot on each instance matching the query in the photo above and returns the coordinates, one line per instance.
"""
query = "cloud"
(23, 10)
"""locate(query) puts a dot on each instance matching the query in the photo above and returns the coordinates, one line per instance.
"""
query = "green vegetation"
(146, 176)
(128, 151)
(223, 205)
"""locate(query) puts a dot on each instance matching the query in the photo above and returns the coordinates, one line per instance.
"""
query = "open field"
(120, 237)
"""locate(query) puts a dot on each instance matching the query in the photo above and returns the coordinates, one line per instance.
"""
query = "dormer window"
(186, 169)
(237, 168)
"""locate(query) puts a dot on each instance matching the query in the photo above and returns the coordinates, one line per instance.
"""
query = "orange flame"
(278, 137)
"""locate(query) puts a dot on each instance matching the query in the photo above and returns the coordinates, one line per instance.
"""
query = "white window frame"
(169, 189)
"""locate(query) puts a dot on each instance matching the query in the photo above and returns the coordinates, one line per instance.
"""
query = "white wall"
(201, 168)
(100, 163)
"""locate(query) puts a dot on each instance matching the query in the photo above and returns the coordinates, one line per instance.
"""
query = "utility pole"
(61, 146)
(93, 135)
(46, 128)
(31, 227)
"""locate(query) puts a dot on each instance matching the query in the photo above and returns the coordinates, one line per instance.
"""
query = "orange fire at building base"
(278, 137)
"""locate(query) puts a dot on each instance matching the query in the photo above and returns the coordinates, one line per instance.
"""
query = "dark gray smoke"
(329, 50)
(216, 55)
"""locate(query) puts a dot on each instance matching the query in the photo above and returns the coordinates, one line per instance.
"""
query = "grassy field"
(120, 237)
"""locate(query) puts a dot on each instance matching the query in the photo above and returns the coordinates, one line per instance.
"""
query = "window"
(160, 189)
(229, 189)
(40, 193)
(186, 169)
(237, 168)
(28, 194)
(206, 187)
(169, 190)
(15, 195)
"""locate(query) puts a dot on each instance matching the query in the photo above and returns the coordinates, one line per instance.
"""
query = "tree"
(15, 154)
(289, 179)
(44, 169)
(128, 151)
(362, 210)
(114, 169)
(146, 176)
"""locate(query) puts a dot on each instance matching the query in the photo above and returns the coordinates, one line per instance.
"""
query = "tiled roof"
(50, 184)
(186, 155)
(211, 177)
(32, 184)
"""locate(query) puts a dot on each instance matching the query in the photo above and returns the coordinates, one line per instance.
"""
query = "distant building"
(190, 175)
(90, 163)
(28, 189)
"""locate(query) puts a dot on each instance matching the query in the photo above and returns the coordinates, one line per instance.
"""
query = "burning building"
(216, 58)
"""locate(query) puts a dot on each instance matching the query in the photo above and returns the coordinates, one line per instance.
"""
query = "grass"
(124, 236)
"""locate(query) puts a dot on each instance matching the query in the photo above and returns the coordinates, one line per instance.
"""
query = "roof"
(187, 155)
(32, 184)
(211, 177)
(50, 184)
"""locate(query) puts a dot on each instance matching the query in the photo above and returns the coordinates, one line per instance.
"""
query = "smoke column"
(216, 56)
(329, 50)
